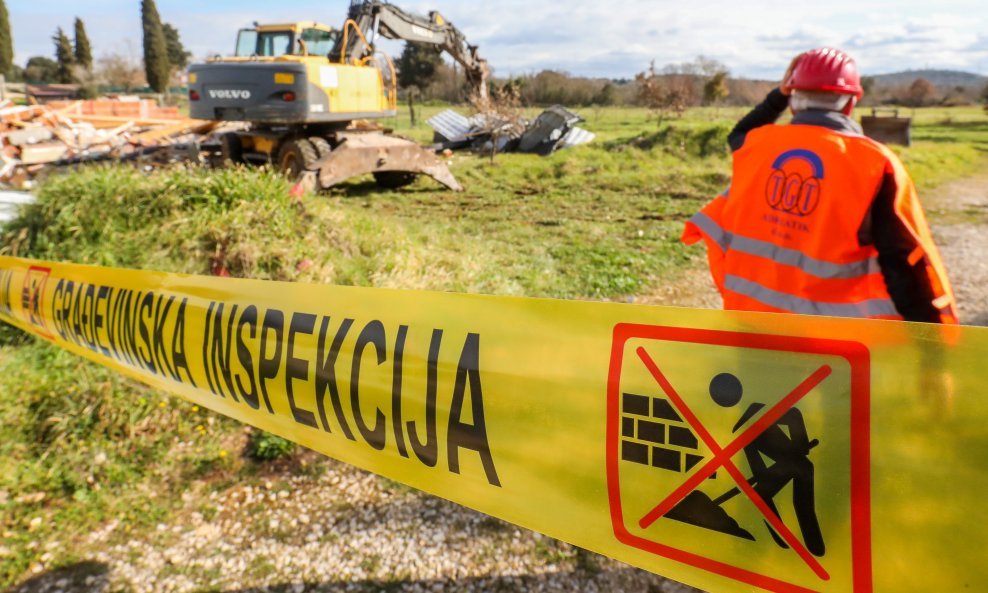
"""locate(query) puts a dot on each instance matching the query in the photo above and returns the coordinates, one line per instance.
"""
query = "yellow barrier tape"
(732, 451)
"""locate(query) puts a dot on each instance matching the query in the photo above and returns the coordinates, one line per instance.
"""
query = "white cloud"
(613, 39)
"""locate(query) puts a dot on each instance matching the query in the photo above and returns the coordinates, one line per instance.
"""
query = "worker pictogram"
(31, 296)
(742, 454)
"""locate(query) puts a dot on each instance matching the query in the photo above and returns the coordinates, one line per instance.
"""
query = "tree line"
(922, 93)
(700, 82)
(72, 59)
(422, 71)
(668, 89)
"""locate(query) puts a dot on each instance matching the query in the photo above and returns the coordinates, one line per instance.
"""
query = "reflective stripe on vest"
(795, 304)
(783, 255)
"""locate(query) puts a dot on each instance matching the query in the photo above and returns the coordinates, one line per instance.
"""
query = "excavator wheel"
(294, 160)
(295, 156)
(231, 149)
(393, 179)
(321, 145)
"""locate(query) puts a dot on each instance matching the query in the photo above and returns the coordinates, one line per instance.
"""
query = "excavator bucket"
(359, 153)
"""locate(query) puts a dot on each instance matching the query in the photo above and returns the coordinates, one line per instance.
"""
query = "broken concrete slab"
(31, 135)
(49, 152)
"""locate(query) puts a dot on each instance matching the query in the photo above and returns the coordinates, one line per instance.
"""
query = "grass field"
(603, 220)
(80, 447)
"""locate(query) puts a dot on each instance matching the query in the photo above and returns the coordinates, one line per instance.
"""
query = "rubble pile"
(34, 138)
(487, 132)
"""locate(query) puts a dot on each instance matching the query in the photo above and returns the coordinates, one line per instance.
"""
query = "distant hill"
(940, 78)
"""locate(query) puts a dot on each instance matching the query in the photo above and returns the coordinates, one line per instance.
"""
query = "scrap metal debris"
(886, 126)
(553, 129)
(11, 202)
(34, 138)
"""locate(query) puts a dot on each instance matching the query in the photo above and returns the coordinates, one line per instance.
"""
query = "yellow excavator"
(308, 91)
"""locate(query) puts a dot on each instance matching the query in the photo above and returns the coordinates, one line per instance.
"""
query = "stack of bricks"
(142, 109)
(653, 433)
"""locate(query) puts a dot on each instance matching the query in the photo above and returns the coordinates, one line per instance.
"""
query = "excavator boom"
(376, 17)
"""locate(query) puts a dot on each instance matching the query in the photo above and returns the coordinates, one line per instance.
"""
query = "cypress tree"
(6, 41)
(177, 56)
(63, 57)
(417, 65)
(156, 66)
(83, 51)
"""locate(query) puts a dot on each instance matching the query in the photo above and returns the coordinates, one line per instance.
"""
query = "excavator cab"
(295, 39)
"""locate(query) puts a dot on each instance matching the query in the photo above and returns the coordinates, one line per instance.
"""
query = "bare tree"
(121, 69)
(921, 92)
(500, 115)
(669, 92)
(708, 67)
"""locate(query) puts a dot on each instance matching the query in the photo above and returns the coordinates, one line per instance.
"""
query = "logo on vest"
(796, 182)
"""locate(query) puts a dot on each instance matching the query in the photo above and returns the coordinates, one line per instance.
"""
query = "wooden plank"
(188, 126)
(115, 120)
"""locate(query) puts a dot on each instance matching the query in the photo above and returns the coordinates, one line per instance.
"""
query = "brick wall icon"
(653, 433)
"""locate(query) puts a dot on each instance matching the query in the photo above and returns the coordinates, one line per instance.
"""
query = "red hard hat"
(827, 70)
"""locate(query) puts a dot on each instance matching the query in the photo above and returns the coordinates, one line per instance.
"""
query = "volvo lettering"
(242, 95)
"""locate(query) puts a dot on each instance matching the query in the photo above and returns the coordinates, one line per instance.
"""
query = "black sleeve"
(908, 285)
(766, 112)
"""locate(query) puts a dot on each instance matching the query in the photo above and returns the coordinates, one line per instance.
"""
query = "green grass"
(176, 220)
(602, 221)
(265, 446)
(947, 143)
(598, 221)
(80, 447)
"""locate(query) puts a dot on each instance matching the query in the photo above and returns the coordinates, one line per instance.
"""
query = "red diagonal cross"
(722, 456)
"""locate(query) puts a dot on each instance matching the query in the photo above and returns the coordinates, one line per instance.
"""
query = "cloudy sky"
(607, 38)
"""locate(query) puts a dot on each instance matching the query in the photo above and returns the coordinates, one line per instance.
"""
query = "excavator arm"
(376, 17)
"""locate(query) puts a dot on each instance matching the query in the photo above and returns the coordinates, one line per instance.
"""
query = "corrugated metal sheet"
(450, 125)
(576, 137)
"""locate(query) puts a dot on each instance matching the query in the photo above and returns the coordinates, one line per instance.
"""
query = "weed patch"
(264, 446)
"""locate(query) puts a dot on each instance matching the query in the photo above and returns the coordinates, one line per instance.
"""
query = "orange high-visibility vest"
(784, 237)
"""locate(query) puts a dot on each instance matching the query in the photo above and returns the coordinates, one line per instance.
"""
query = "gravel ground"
(959, 217)
(347, 530)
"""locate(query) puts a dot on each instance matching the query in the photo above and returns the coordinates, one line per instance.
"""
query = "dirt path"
(958, 214)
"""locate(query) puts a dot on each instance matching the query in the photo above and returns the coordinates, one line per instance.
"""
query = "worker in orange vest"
(819, 219)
